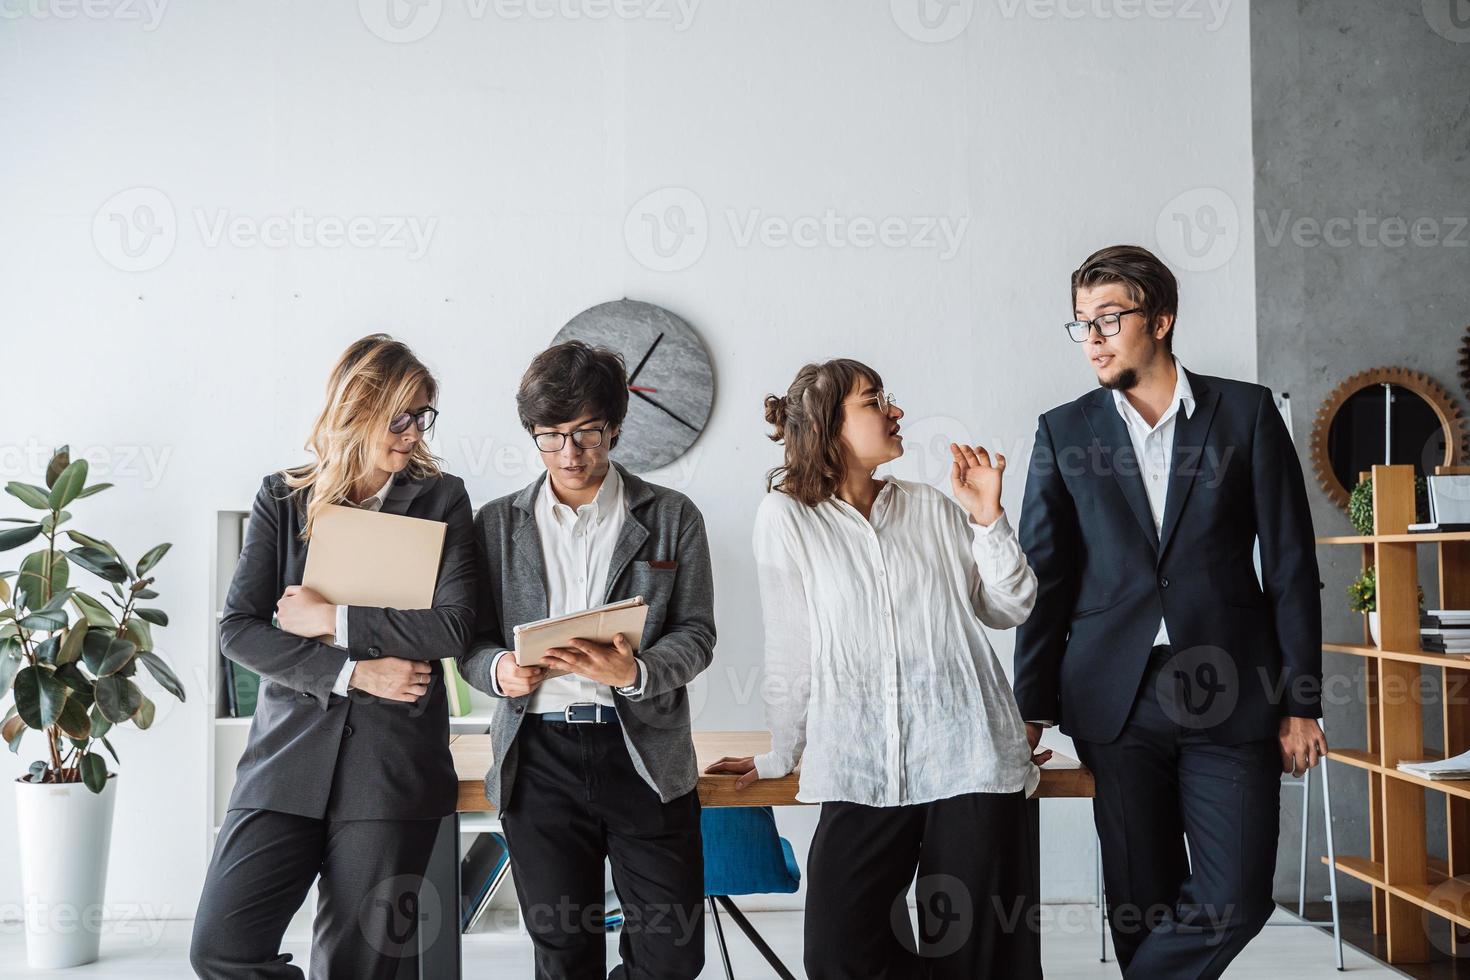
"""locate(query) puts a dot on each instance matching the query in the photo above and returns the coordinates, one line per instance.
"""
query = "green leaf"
(58, 601)
(110, 750)
(37, 771)
(86, 540)
(140, 633)
(35, 579)
(143, 717)
(51, 522)
(104, 653)
(10, 661)
(4, 590)
(17, 536)
(95, 612)
(118, 697)
(69, 484)
(99, 563)
(71, 646)
(161, 672)
(145, 594)
(28, 494)
(155, 616)
(59, 461)
(73, 719)
(72, 677)
(152, 557)
(38, 696)
(53, 620)
(100, 725)
(46, 649)
(12, 729)
(94, 488)
(94, 772)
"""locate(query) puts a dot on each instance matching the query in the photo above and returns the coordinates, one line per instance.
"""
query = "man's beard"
(1125, 380)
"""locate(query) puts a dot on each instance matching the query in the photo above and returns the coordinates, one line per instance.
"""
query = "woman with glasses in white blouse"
(881, 684)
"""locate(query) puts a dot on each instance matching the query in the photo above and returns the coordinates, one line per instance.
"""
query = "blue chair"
(744, 855)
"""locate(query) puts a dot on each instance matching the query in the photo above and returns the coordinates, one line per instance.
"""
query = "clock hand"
(664, 410)
(634, 376)
(642, 388)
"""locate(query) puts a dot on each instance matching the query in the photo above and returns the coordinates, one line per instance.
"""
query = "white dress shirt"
(879, 678)
(577, 548)
(1154, 449)
(375, 502)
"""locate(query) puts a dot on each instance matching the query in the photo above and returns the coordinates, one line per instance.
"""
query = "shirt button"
(1164, 583)
(346, 731)
(374, 652)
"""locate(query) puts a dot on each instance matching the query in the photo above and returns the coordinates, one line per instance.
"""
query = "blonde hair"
(373, 381)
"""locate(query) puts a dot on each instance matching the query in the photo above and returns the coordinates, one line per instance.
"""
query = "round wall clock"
(671, 383)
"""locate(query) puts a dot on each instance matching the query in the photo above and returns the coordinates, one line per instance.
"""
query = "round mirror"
(1387, 415)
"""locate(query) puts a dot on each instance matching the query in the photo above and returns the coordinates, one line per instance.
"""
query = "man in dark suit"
(1186, 687)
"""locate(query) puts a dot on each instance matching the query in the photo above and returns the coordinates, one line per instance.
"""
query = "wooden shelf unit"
(1406, 881)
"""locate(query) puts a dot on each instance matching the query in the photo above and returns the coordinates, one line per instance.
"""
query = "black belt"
(583, 713)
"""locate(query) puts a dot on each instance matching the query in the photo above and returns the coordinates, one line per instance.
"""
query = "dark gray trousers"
(369, 905)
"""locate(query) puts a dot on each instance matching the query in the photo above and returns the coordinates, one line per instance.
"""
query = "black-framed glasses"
(1107, 325)
(883, 401)
(422, 418)
(588, 438)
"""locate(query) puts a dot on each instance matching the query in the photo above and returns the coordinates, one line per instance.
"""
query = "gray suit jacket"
(661, 554)
(315, 753)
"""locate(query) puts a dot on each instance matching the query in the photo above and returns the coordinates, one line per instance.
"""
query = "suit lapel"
(402, 494)
(1188, 456)
(1118, 456)
(633, 532)
(530, 560)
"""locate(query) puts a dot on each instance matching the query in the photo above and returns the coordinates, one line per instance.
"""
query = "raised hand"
(977, 481)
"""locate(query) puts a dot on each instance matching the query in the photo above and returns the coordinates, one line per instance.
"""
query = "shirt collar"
(609, 496)
(376, 501)
(1183, 396)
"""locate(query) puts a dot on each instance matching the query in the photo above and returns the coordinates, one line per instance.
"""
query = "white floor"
(1070, 952)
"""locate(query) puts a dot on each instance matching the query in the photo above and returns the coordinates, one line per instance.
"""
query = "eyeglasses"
(423, 418)
(882, 401)
(589, 438)
(1107, 325)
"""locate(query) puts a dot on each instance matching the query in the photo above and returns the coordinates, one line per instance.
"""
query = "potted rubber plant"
(69, 656)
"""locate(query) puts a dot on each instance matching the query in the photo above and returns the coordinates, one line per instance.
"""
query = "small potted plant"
(1360, 504)
(1363, 598)
(70, 660)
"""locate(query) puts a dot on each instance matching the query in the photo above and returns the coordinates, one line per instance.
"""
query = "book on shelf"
(481, 873)
(1455, 767)
(456, 688)
(1445, 618)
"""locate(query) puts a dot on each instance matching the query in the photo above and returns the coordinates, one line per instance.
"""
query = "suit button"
(1164, 583)
(304, 696)
(519, 709)
(374, 652)
(346, 731)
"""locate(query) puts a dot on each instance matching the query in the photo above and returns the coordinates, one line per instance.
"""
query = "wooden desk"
(439, 957)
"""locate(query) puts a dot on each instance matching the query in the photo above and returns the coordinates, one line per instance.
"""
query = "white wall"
(1034, 134)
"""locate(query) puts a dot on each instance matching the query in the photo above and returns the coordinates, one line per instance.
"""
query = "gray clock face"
(671, 384)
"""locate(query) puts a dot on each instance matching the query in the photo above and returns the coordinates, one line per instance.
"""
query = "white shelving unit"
(226, 743)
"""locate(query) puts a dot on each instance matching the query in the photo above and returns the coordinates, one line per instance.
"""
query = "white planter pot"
(1373, 626)
(65, 833)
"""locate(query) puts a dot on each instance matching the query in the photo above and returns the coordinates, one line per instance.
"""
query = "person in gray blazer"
(346, 771)
(596, 763)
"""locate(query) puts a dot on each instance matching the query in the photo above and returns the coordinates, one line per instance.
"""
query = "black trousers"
(577, 801)
(978, 916)
(368, 908)
(1163, 781)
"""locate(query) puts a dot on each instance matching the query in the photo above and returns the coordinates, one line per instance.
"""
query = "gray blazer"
(317, 754)
(661, 554)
